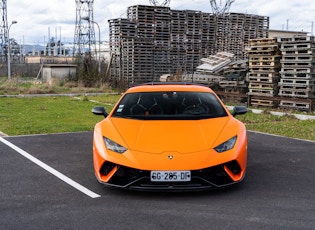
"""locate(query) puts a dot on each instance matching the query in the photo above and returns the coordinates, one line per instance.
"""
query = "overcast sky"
(35, 18)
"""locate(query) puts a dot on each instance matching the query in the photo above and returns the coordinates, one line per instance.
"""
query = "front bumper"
(202, 179)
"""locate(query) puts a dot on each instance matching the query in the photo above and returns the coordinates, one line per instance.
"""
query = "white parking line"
(51, 170)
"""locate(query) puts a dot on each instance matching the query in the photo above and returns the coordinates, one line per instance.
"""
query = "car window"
(169, 105)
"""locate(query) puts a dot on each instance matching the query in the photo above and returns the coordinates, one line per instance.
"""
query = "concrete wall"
(49, 59)
(52, 73)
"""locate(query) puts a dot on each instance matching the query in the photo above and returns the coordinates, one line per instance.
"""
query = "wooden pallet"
(296, 93)
(298, 87)
(304, 65)
(263, 77)
(297, 58)
(298, 52)
(262, 102)
(307, 105)
(262, 92)
(228, 83)
(262, 41)
(296, 71)
(296, 75)
(296, 81)
(272, 58)
(267, 69)
(275, 64)
(258, 85)
(296, 46)
(265, 48)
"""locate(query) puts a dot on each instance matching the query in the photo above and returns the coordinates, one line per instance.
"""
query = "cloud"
(35, 17)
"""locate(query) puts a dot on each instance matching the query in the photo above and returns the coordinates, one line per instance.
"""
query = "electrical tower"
(157, 3)
(219, 8)
(3, 29)
(84, 37)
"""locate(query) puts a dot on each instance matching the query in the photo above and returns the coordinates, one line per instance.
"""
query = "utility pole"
(9, 51)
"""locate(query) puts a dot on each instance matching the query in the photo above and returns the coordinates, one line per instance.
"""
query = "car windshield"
(169, 105)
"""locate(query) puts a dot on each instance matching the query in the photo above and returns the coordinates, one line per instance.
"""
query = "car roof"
(169, 86)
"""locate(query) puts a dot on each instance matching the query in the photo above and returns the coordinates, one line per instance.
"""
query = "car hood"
(182, 136)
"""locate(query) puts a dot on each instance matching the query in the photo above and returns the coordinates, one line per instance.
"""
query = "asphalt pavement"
(47, 182)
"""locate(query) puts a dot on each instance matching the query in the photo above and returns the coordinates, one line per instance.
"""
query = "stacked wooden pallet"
(208, 39)
(193, 33)
(150, 57)
(162, 34)
(119, 28)
(177, 45)
(234, 78)
(228, 74)
(297, 83)
(170, 41)
(235, 70)
(233, 87)
(214, 64)
(136, 57)
(234, 30)
(263, 76)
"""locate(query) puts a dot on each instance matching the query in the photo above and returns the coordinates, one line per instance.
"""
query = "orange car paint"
(189, 142)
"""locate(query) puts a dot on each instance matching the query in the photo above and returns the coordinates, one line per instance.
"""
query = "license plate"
(168, 176)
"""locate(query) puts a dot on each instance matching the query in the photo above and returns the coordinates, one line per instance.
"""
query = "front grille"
(207, 178)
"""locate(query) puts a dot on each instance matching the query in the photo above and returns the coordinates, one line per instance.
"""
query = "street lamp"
(9, 51)
(99, 41)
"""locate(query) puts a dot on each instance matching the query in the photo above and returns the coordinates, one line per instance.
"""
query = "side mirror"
(238, 110)
(99, 110)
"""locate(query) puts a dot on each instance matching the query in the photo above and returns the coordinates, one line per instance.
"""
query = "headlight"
(113, 146)
(229, 144)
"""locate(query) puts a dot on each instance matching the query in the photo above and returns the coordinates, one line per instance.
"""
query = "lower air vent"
(234, 167)
(107, 167)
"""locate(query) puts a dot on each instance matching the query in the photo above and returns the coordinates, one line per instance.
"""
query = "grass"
(39, 115)
(287, 126)
(42, 115)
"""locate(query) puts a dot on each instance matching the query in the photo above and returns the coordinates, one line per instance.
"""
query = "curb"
(3, 134)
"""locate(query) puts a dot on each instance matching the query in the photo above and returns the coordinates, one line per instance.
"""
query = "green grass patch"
(39, 115)
(287, 126)
(105, 98)
(42, 115)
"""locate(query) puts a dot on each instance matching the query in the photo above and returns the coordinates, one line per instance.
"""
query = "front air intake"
(234, 167)
(107, 167)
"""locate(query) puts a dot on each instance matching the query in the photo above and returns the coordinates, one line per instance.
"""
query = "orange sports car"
(169, 136)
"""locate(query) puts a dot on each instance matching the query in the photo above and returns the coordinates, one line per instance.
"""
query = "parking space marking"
(51, 170)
